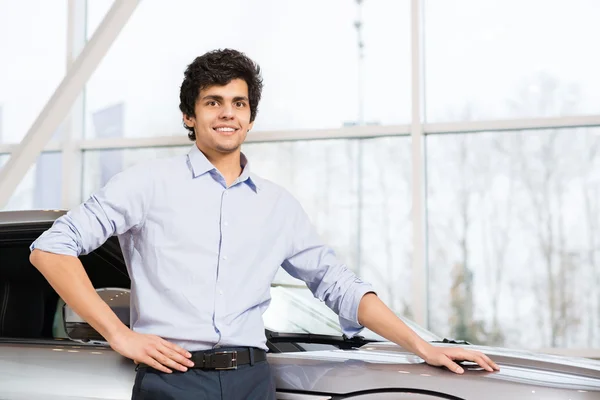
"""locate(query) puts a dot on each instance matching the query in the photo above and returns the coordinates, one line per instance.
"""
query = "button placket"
(221, 258)
(223, 223)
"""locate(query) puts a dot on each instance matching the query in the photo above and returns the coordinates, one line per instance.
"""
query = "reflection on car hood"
(386, 366)
(522, 357)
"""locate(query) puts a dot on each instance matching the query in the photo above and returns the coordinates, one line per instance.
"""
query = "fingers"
(166, 361)
(153, 351)
(445, 356)
(176, 357)
(483, 363)
(151, 362)
(490, 362)
(176, 348)
(166, 356)
(452, 366)
(481, 359)
(475, 356)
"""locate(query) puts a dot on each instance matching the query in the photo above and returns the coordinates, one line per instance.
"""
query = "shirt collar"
(198, 162)
(246, 175)
(200, 165)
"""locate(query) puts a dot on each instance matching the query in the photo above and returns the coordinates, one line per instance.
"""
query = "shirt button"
(226, 193)
(224, 257)
(221, 292)
(225, 223)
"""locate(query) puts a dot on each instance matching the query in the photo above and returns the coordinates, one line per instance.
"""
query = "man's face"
(222, 117)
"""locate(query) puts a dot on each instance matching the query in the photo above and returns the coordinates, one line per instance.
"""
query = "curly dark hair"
(219, 67)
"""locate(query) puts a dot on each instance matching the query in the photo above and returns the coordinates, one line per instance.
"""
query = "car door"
(34, 364)
(57, 369)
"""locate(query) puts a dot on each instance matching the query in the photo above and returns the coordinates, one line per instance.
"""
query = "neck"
(228, 164)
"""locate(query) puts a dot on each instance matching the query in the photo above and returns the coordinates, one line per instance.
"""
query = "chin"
(227, 149)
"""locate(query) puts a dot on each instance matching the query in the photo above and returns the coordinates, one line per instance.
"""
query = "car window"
(294, 309)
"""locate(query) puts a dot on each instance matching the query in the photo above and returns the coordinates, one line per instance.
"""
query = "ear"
(189, 121)
(250, 126)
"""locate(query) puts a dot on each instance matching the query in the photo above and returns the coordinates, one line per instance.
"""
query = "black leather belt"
(227, 359)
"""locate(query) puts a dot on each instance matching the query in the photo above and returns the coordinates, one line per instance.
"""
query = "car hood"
(386, 367)
(69, 370)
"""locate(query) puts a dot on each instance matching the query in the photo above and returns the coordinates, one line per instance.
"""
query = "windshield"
(294, 309)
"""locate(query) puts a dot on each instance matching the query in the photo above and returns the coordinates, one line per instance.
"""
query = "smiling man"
(203, 237)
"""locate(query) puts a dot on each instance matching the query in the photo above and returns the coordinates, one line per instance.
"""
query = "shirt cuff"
(350, 325)
(53, 242)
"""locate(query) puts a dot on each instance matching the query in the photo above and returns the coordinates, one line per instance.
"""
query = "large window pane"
(514, 237)
(310, 66)
(41, 187)
(357, 194)
(323, 176)
(511, 59)
(386, 229)
(100, 165)
(370, 220)
(33, 37)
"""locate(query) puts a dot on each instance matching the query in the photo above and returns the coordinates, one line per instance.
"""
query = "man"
(202, 238)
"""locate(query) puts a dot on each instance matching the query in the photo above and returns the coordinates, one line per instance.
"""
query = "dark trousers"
(247, 382)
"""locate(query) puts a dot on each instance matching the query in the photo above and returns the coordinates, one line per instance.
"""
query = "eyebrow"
(220, 98)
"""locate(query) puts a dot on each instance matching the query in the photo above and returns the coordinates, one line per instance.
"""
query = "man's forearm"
(375, 315)
(69, 279)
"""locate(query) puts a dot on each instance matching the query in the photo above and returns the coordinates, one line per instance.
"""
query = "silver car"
(47, 352)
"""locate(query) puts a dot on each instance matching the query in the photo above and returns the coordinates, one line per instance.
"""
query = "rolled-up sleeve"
(116, 208)
(328, 279)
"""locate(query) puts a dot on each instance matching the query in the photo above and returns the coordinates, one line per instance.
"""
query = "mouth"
(225, 130)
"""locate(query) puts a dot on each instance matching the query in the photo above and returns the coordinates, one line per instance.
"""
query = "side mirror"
(75, 328)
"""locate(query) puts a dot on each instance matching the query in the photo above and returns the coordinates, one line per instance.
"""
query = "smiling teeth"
(225, 129)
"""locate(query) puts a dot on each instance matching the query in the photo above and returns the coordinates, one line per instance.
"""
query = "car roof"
(29, 216)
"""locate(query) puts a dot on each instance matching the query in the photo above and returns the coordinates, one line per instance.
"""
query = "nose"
(227, 111)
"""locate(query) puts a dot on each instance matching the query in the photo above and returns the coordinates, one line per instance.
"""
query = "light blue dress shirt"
(201, 255)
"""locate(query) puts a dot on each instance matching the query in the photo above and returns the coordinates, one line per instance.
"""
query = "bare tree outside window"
(513, 229)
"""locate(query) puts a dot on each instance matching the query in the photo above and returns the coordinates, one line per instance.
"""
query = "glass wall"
(511, 59)
(356, 192)
(511, 216)
(100, 165)
(41, 187)
(311, 69)
(33, 36)
(514, 237)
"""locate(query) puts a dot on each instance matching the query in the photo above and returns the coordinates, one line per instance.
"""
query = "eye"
(211, 103)
(240, 104)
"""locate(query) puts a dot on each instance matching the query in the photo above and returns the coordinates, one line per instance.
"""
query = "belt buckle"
(233, 360)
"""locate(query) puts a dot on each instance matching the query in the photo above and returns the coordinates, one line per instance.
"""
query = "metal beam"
(513, 124)
(63, 98)
(419, 279)
(339, 133)
(254, 137)
(73, 126)
(11, 148)
(591, 121)
(358, 132)
(352, 132)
